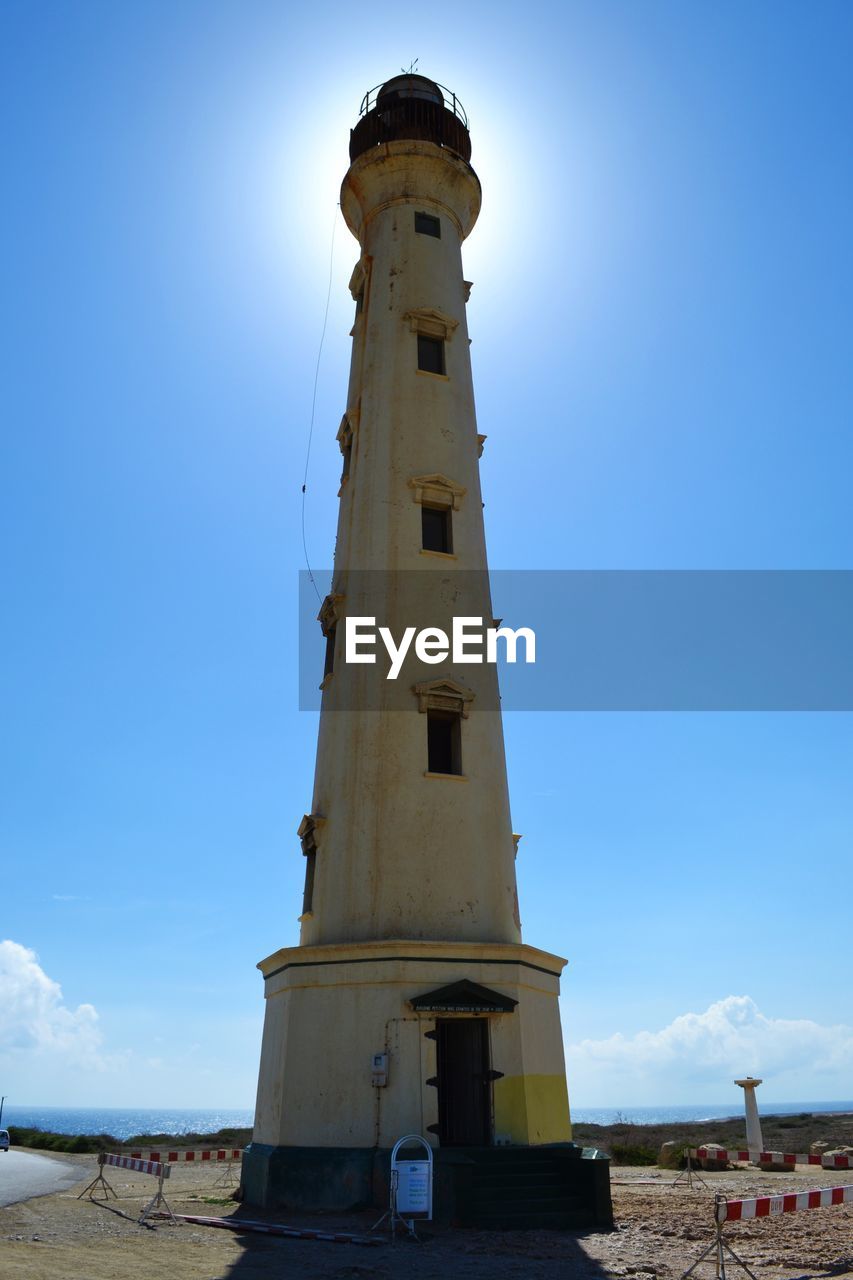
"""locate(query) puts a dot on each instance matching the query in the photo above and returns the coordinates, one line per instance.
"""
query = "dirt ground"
(660, 1230)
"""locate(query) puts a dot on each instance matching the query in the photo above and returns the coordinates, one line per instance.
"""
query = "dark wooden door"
(464, 1096)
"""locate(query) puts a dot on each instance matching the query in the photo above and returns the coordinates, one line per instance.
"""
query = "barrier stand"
(726, 1210)
(154, 1167)
(227, 1177)
(687, 1172)
(99, 1181)
(718, 1245)
(158, 1199)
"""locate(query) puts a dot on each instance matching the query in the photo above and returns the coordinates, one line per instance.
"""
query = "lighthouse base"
(366, 1042)
(502, 1188)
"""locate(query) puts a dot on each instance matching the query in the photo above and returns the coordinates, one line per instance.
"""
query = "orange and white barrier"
(769, 1206)
(771, 1157)
(762, 1207)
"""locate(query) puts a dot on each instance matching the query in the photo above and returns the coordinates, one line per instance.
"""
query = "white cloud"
(35, 1019)
(698, 1055)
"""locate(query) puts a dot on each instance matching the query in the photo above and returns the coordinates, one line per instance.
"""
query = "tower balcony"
(407, 107)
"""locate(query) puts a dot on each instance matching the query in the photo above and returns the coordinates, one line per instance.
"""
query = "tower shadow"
(440, 1253)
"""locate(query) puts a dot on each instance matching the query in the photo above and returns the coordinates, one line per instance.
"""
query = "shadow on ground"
(441, 1253)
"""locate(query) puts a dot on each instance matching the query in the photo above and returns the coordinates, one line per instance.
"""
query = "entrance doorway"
(464, 1095)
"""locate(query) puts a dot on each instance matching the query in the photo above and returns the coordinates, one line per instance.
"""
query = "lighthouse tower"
(411, 1004)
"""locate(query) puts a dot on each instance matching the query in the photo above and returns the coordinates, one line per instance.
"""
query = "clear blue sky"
(661, 321)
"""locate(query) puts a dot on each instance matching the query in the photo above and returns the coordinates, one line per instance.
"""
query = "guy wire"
(314, 404)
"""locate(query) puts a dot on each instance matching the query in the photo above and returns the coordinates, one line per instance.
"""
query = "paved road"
(24, 1175)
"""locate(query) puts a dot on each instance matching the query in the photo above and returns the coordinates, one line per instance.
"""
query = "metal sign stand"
(687, 1172)
(410, 1194)
(719, 1246)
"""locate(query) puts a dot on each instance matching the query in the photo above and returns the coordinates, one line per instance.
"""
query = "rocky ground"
(660, 1230)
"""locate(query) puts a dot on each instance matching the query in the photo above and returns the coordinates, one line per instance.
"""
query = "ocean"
(715, 1111)
(128, 1122)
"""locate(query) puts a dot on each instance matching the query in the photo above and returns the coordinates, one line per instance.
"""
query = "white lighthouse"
(411, 1004)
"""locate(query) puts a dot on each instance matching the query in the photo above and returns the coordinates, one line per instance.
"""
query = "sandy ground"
(660, 1231)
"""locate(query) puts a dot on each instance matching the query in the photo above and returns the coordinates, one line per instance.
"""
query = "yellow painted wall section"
(533, 1109)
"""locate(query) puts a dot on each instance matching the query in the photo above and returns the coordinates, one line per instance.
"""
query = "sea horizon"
(128, 1122)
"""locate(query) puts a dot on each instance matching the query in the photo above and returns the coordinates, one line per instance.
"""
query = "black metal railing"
(389, 117)
(451, 102)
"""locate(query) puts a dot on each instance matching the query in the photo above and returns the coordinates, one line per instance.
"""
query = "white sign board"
(413, 1186)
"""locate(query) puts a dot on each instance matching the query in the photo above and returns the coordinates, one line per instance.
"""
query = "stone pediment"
(443, 694)
(432, 323)
(437, 490)
(463, 997)
(308, 830)
(358, 279)
(330, 612)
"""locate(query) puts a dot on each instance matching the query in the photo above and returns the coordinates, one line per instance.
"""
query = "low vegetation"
(91, 1143)
(630, 1143)
(632, 1153)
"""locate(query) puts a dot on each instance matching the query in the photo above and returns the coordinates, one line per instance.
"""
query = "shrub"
(45, 1141)
(632, 1153)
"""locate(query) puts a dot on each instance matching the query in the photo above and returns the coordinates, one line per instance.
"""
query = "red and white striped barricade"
(225, 1156)
(135, 1164)
(726, 1210)
(279, 1229)
(209, 1155)
(771, 1157)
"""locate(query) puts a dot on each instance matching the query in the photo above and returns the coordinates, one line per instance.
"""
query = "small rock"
(712, 1163)
(670, 1155)
(837, 1151)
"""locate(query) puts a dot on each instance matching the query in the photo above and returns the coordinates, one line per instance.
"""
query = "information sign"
(412, 1179)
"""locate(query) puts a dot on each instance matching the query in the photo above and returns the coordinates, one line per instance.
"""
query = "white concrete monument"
(754, 1140)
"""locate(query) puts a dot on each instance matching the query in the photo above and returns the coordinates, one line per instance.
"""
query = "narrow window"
(444, 742)
(427, 225)
(308, 891)
(430, 354)
(329, 664)
(436, 529)
(347, 454)
(359, 301)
